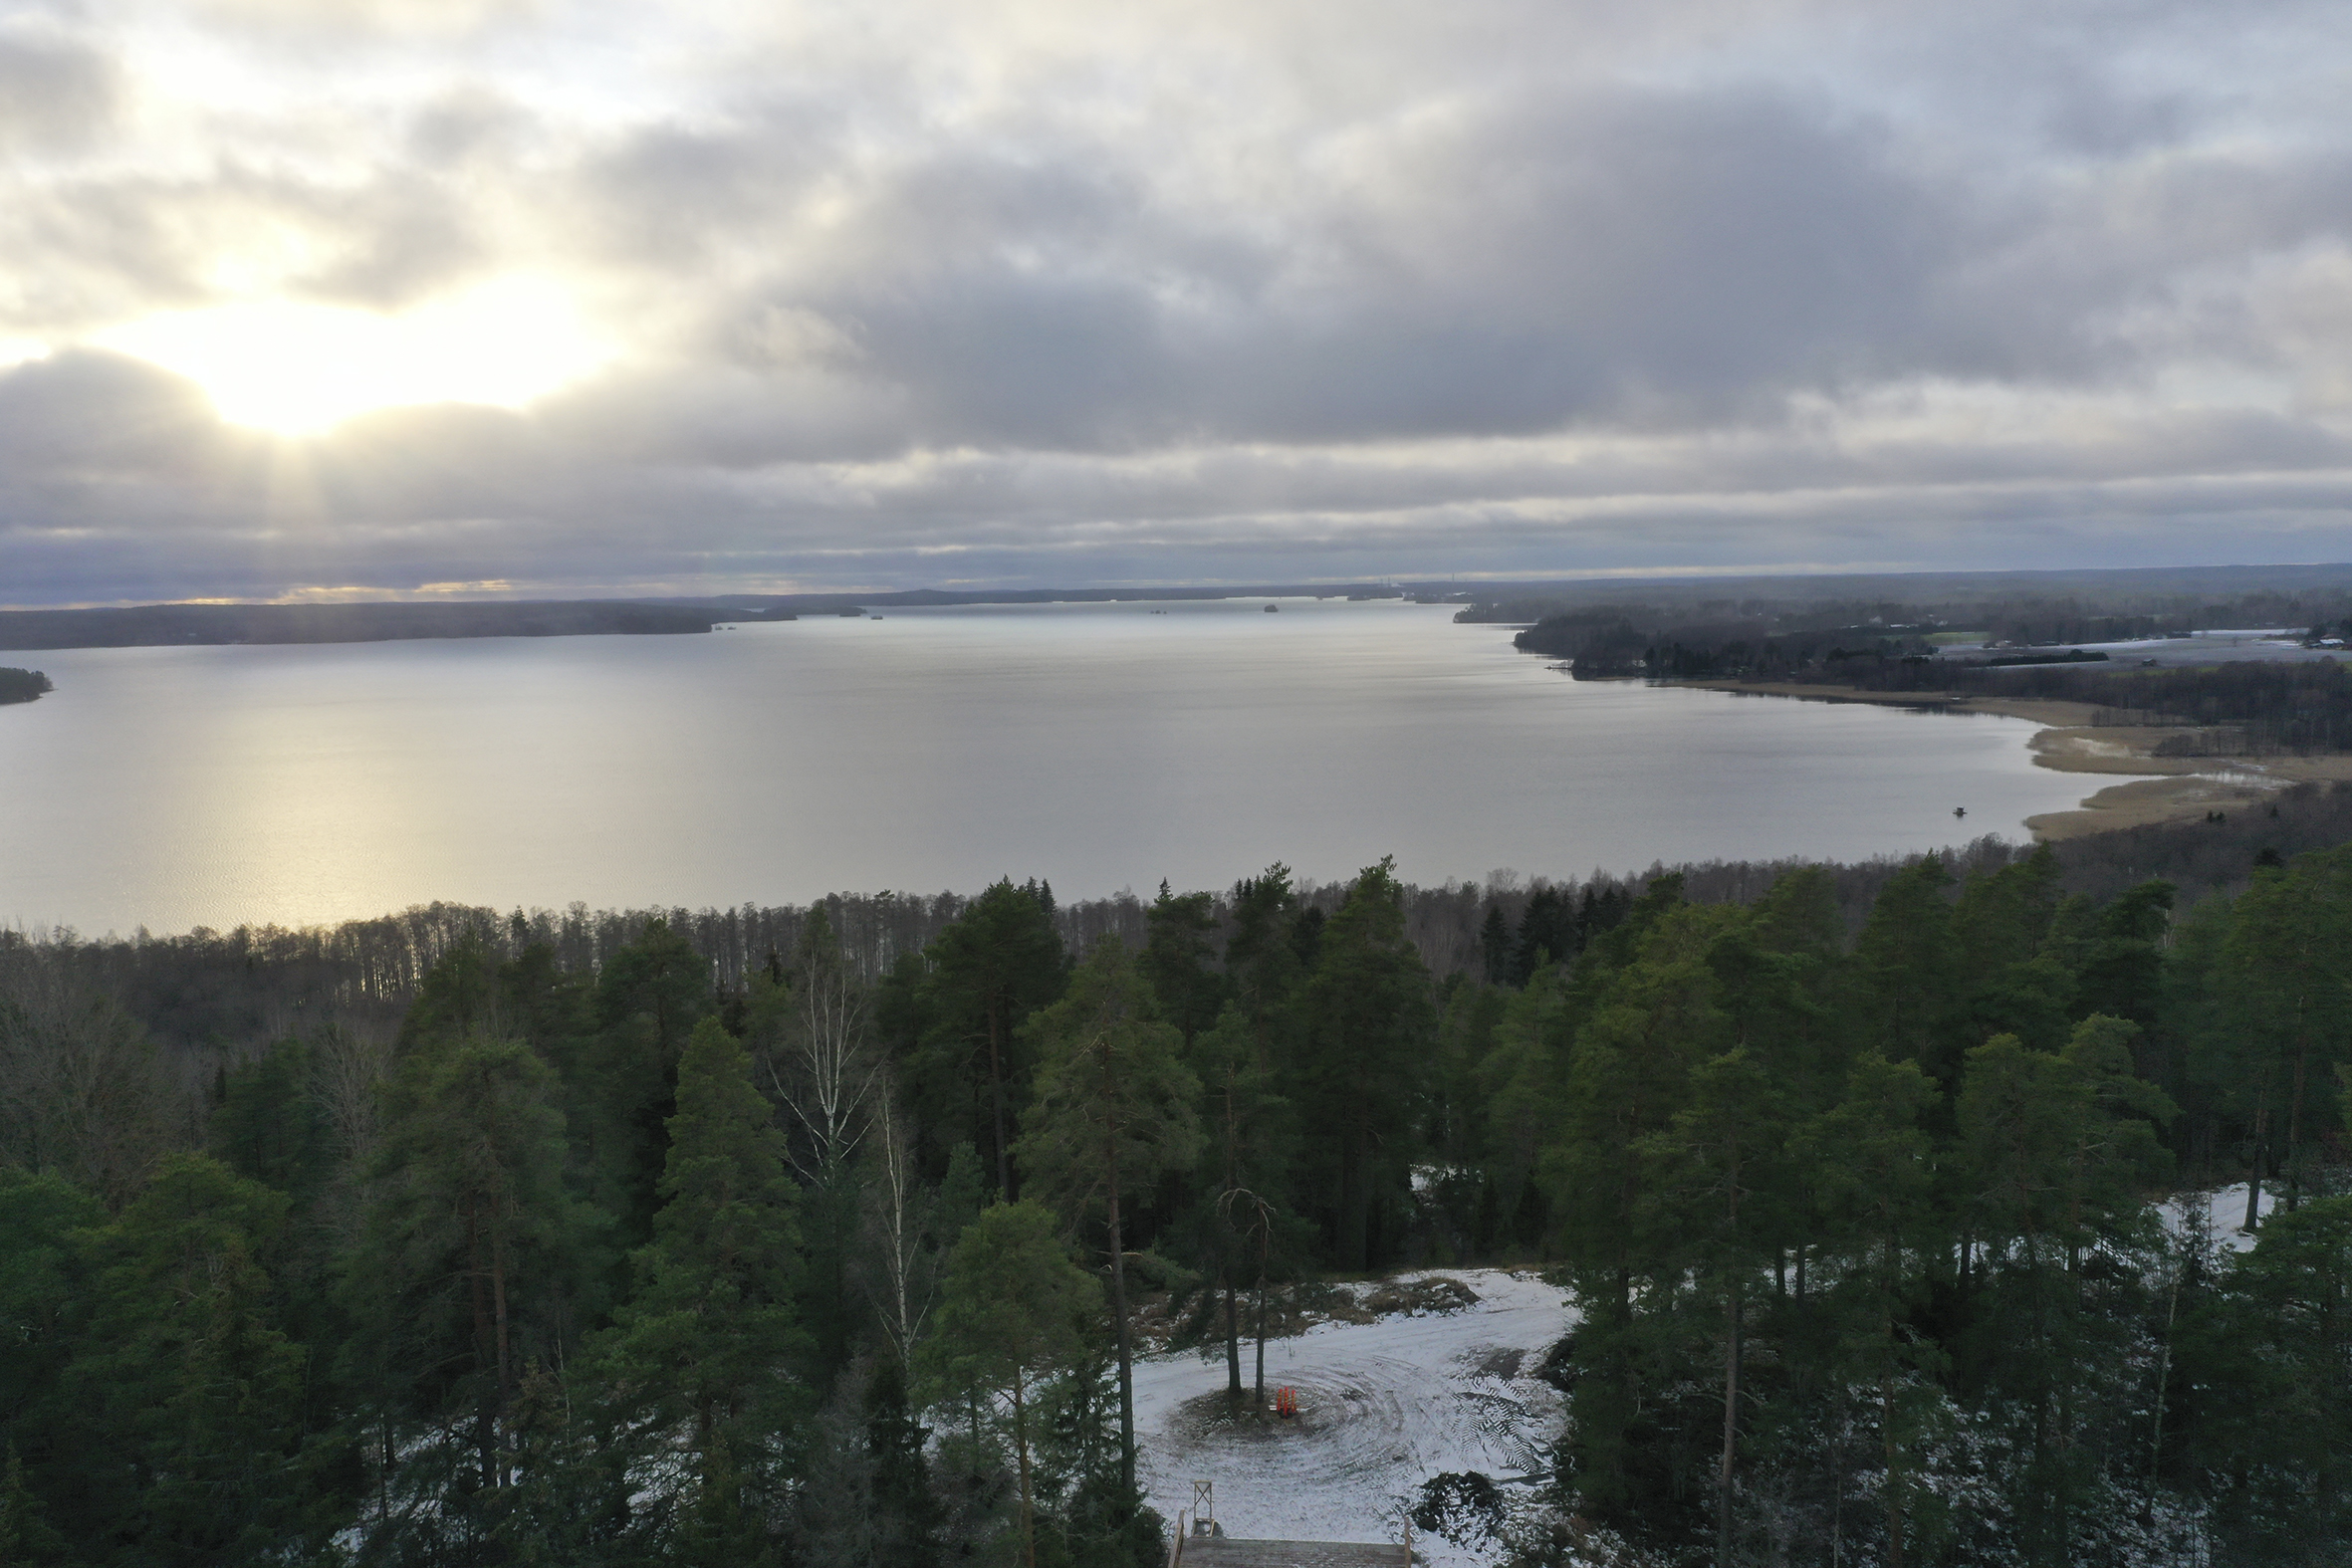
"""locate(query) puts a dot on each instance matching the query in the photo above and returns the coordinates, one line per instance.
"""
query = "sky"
(318, 298)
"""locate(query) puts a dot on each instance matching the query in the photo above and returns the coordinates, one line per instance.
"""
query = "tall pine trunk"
(486, 1411)
(1233, 1332)
(1886, 1410)
(1731, 1429)
(1355, 1201)
(995, 1089)
(2295, 1123)
(1028, 1531)
(1233, 1344)
(1118, 1309)
(1259, 1397)
(2253, 1180)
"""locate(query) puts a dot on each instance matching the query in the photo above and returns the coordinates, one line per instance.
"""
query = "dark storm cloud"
(1195, 293)
(1648, 258)
(1651, 256)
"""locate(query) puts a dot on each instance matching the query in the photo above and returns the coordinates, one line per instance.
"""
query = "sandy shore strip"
(2153, 788)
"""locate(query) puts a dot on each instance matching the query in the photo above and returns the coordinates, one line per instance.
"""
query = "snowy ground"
(1384, 1406)
(2227, 1209)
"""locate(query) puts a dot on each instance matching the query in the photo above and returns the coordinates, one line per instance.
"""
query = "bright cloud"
(300, 368)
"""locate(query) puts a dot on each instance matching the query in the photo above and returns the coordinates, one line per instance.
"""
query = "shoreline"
(2155, 788)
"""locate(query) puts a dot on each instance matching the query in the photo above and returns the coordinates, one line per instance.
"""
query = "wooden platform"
(1225, 1551)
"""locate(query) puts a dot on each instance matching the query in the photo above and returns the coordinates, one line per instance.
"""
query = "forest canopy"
(817, 1235)
(22, 685)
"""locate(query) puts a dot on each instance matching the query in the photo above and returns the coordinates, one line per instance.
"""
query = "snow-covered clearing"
(2225, 1215)
(1383, 1405)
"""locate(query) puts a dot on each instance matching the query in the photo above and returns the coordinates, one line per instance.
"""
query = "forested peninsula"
(823, 1235)
(23, 685)
(2201, 718)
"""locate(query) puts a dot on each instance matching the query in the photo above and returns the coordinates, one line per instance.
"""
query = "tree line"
(22, 685)
(2022, 619)
(641, 1262)
(205, 995)
(2227, 708)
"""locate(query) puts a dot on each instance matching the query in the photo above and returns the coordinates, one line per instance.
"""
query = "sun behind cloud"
(299, 369)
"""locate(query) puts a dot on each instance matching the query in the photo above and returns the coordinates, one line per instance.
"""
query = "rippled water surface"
(1098, 745)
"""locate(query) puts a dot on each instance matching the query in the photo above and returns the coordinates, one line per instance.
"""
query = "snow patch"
(1383, 1407)
(2216, 1218)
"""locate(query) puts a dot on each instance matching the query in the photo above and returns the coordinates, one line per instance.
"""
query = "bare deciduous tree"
(822, 1067)
(83, 1092)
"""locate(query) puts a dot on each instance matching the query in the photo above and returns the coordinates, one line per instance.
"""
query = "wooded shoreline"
(2156, 789)
(201, 625)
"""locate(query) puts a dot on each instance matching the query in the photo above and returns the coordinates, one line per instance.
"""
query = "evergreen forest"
(1884, 1198)
(23, 685)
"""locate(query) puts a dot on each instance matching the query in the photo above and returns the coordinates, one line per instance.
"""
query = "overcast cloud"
(898, 293)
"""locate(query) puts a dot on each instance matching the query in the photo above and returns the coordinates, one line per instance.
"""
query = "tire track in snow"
(1384, 1406)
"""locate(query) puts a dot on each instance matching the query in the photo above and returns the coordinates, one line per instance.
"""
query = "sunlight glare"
(299, 369)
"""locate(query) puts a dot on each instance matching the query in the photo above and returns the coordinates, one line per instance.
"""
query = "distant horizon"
(1481, 586)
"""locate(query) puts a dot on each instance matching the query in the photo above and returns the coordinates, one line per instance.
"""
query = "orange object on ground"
(1286, 1402)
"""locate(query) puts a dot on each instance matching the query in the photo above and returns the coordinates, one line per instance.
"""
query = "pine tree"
(1242, 1175)
(1013, 1311)
(473, 1249)
(1903, 1003)
(1718, 1200)
(2288, 1323)
(1867, 1165)
(192, 1390)
(1176, 960)
(999, 963)
(2288, 984)
(1113, 1112)
(650, 994)
(1370, 1022)
(702, 1355)
(2056, 1151)
(27, 1537)
(1627, 1077)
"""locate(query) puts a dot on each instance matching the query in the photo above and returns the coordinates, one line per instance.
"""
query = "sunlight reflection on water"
(1098, 745)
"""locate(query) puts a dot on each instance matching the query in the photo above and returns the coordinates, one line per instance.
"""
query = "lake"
(1100, 746)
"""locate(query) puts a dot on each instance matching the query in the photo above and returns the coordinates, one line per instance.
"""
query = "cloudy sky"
(374, 297)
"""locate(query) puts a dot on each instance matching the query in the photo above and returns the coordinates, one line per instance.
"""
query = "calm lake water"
(1100, 747)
